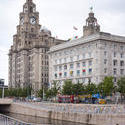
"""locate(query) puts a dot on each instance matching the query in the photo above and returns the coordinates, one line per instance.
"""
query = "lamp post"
(2, 86)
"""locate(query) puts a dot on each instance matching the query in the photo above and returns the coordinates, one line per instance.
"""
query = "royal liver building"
(28, 58)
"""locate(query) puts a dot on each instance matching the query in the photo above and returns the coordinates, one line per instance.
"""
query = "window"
(90, 55)
(115, 62)
(55, 68)
(83, 56)
(78, 72)
(60, 68)
(65, 60)
(60, 61)
(78, 65)
(65, 67)
(105, 61)
(71, 66)
(60, 74)
(55, 61)
(115, 71)
(122, 55)
(105, 53)
(121, 63)
(77, 57)
(90, 71)
(83, 64)
(122, 71)
(105, 70)
(84, 72)
(114, 54)
(115, 80)
(55, 75)
(71, 73)
(71, 59)
(90, 63)
(121, 47)
(65, 74)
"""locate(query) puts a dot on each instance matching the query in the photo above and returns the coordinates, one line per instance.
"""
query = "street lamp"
(2, 86)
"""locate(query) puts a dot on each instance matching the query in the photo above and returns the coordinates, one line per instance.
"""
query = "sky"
(59, 16)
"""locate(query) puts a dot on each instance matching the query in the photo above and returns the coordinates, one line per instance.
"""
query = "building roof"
(94, 37)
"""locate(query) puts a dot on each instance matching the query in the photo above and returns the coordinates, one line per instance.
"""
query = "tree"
(91, 88)
(67, 88)
(106, 87)
(121, 86)
(77, 89)
(53, 91)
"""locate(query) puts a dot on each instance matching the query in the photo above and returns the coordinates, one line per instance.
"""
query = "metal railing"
(6, 120)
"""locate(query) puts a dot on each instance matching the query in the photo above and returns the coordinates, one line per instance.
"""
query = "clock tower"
(28, 57)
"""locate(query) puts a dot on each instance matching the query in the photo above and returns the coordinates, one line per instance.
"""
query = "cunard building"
(28, 58)
(90, 58)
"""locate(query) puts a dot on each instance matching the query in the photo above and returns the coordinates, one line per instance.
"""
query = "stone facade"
(89, 58)
(28, 58)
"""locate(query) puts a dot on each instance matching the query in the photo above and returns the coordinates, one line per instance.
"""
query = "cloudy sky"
(59, 16)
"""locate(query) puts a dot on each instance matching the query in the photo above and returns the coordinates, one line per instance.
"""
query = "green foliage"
(106, 87)
(91, 88)
(77, 89)
(17, 92)
(67, 88)
(121, 85)
(53, 91)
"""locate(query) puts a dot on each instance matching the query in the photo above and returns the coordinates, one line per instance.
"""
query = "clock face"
(21, 21)
(32, 20)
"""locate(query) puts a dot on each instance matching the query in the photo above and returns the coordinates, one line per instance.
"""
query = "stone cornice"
(94, 37)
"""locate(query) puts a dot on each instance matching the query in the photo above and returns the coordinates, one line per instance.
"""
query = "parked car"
(35, 99)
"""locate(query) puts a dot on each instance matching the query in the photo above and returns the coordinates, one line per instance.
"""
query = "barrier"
(6, 120)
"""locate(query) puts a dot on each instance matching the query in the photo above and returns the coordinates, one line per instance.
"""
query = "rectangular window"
(105, 61)
(65, 74)
(78, 65)
(83, 64)
(121, 47)
(121, 63)
(114, 54)
(55, 68)
(115, 62)
(115, 71)
(71, 73)
(60, 61)
(90, 71)
(65, 60)
(105, 53)
(122, 55)
(90, 63)
(84, 72)
(55, 61)
(90, 55)
(122, 71)
(60, 68)
(71, 66)
(77, 57)
(105, 70)
(71, 59)
(78, 72)
(65, 67)
(83, 56)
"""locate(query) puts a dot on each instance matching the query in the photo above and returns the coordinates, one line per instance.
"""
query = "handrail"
(7, 120)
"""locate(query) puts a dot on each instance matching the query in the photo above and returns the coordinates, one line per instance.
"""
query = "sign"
(96, 95)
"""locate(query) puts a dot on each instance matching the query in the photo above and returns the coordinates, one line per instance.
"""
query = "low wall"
(98, 118)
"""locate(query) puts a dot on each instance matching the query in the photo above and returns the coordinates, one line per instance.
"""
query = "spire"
(92, 25)
(29, 6)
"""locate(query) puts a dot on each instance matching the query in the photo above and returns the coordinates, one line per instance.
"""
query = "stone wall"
(98, 118)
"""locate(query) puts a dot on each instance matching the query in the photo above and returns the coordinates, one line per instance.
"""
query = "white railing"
(6, 120)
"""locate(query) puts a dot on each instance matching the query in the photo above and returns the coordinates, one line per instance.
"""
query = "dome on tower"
(46, 31)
